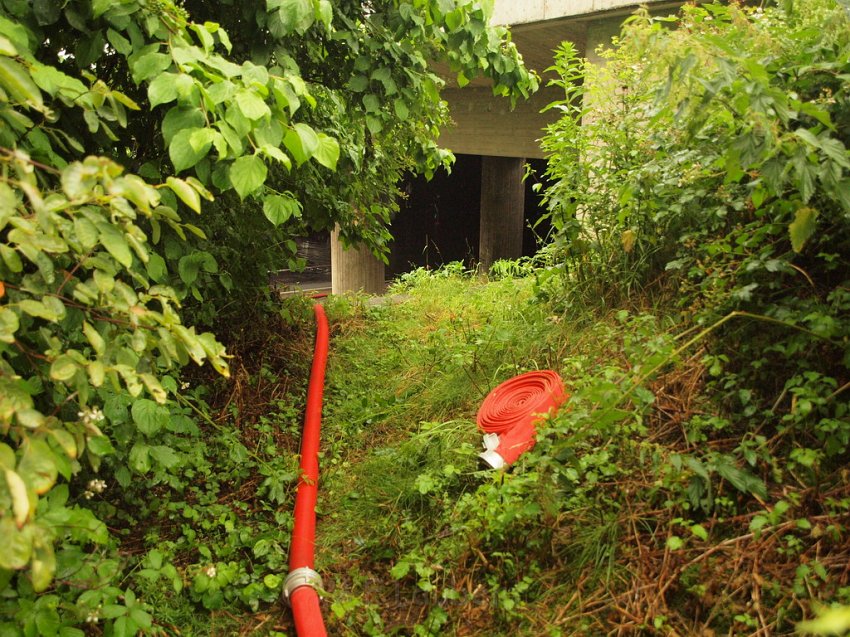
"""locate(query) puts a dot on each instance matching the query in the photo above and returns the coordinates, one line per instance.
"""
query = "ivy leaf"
(247, 174)
(278, 209)
(802, 228)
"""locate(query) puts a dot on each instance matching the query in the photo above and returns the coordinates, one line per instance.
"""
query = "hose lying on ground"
(303, 583)
(509, 412)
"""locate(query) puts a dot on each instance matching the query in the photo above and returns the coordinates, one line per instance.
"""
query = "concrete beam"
(486, 125)
(512, 12)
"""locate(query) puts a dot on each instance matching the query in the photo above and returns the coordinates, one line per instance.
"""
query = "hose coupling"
(490, 455)
(303, 576)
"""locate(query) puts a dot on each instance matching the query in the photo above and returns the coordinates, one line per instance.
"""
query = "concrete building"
(496, 142)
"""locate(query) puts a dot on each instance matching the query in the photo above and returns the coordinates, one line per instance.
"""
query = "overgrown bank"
(694, 296)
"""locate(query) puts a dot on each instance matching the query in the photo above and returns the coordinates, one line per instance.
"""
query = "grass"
(624, 519)
(404, 382)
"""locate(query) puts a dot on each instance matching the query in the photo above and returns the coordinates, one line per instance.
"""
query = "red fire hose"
(301, 585)
(508, 414)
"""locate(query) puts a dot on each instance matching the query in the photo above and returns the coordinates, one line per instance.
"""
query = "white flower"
(210, 571)
(96, 486)
(184, 385)
(91, 416)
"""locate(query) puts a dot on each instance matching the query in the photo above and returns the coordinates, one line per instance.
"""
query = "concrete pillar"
(502, 209)
(355, 268)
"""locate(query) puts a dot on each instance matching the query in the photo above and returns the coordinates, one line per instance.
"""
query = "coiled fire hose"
(302, 585)
(509, 413)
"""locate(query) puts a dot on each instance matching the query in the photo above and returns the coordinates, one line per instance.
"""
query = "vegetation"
(270, 112)
(694, 295)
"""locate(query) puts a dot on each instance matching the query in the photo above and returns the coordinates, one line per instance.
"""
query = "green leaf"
(324, 12)
(327, 151)
(17, 82)
(401, 109)
(100, 445)
(119, 42)
(358, 83)
(674, 543)
(296, 15)
(86, 233)
(99, 7)
(187, 193)
(181, 151)
(9, 324)
(20, 499)
(139, 459)
(17, 545)
(94, 338)
(251, 105)
(37, 466)
(374, 124)
(302, 142)
(179, 118)
(156, 268)
(47, 11)
(11, 258)
(699, 531)
(43, 565)
(803, 227)
(63, 368)
(149, 417)
(400, 569)
(163, 89)
(165, 456)
(247, 174)
(830, 621)
(279, 209)
(115, 243)
(149, 65)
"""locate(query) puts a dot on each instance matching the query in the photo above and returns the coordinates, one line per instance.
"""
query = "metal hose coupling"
(304, 576)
